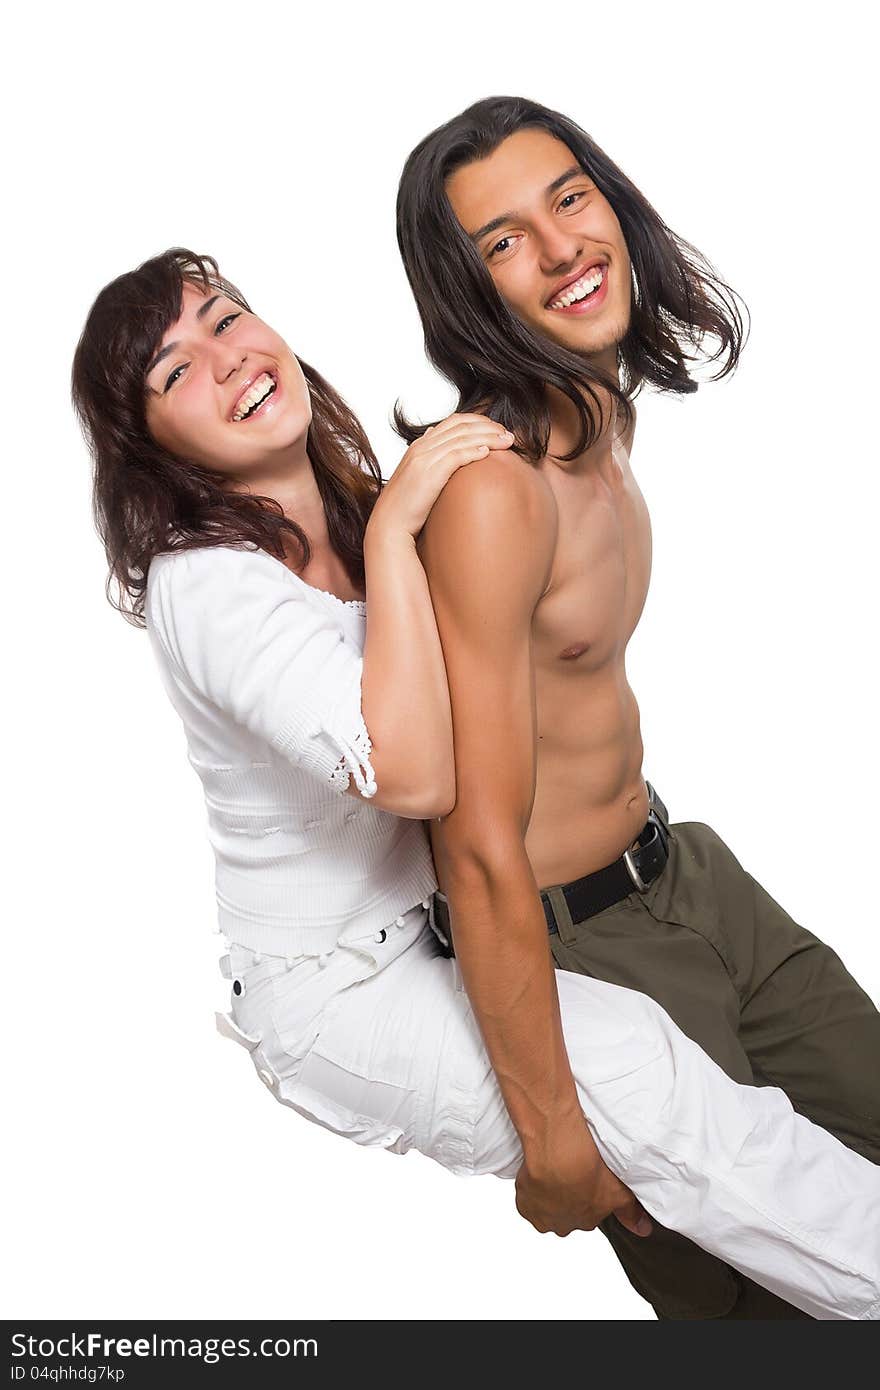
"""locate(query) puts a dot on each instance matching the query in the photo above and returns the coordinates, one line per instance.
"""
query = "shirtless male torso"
(539, 563)
(590, 798)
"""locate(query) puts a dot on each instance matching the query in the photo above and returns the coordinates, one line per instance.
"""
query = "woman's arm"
(231, 627)
(404, 691)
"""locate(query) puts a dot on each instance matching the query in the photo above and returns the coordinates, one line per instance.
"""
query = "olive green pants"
(770, 1003)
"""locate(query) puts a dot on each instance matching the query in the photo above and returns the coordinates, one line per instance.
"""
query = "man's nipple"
(573, 652)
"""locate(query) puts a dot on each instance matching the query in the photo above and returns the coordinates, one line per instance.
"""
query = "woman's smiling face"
(223, 390)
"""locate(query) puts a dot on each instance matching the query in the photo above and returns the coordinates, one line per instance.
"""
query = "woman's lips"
(266, 404)
(592, 301)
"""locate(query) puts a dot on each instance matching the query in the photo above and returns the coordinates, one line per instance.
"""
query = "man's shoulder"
(494, 526)
(502, 487)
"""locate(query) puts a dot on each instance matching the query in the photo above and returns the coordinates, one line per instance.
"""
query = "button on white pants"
(378, 1042)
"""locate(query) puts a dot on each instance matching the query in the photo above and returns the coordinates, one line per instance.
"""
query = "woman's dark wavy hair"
(495, 360)
(147, 500)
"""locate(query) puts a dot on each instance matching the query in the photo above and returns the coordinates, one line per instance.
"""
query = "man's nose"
(558, 247)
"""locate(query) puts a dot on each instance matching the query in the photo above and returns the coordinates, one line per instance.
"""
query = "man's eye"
(500, 245)
(569, 198)
(228, 318)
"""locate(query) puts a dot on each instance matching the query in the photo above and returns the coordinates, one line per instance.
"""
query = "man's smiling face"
(550, 240)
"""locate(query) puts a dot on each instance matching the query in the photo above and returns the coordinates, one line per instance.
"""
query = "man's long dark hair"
(146, 499)
(496, 361)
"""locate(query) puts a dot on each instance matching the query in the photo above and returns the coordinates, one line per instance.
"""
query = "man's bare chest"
(601, 570)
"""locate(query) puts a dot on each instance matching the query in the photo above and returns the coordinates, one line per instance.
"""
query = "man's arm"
(487, 549)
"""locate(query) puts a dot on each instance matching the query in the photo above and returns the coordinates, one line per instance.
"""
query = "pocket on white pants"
(369, 1112)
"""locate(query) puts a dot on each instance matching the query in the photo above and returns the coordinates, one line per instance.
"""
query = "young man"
(549, 290)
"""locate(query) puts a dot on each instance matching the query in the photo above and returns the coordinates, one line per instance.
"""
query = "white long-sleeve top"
(265, 673)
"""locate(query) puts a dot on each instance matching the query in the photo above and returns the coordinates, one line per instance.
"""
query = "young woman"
(245, 519)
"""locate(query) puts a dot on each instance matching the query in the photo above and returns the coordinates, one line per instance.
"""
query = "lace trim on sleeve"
(355, 761)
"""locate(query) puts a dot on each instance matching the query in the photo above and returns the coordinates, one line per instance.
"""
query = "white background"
(148, 1171)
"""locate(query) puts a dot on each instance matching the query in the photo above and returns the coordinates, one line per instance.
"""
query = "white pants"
(377, 1042)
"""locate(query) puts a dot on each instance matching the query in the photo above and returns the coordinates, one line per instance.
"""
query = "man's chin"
(583, 337)
(588, 345)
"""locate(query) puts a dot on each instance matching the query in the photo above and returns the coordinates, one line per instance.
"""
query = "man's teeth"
(580, 289)
(254, 395)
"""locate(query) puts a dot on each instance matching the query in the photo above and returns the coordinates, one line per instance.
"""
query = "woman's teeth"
(254, 396)
(580, 289)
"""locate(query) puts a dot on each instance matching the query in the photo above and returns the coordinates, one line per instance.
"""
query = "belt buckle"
(654, 820)
(640, 884)
(660, 826)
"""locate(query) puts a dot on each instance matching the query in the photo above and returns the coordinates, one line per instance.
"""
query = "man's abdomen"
(590, 798)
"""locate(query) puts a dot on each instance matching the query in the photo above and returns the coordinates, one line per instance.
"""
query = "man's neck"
(565, 426)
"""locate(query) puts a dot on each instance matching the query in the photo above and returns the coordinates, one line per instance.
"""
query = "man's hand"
(573, 1190)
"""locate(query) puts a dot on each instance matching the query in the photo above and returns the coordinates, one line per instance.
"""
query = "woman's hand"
(428, 464)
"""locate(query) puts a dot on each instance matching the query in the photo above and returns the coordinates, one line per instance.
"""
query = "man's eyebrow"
(511, 216)
(571, 173)
(163, 352)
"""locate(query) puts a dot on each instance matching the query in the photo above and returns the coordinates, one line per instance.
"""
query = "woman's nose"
(227, 360)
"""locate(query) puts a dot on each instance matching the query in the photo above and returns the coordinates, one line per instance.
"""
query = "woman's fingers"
(457, 422)
(471, 437)
(429, 463)
(468, 452)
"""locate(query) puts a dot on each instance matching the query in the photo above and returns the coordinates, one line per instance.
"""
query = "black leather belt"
(635, 870)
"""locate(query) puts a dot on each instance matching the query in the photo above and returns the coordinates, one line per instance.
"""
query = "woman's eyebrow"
(163, 352)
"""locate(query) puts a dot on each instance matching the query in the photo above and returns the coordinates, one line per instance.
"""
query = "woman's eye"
(569, 199)
(221, 328)
(501, 245)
